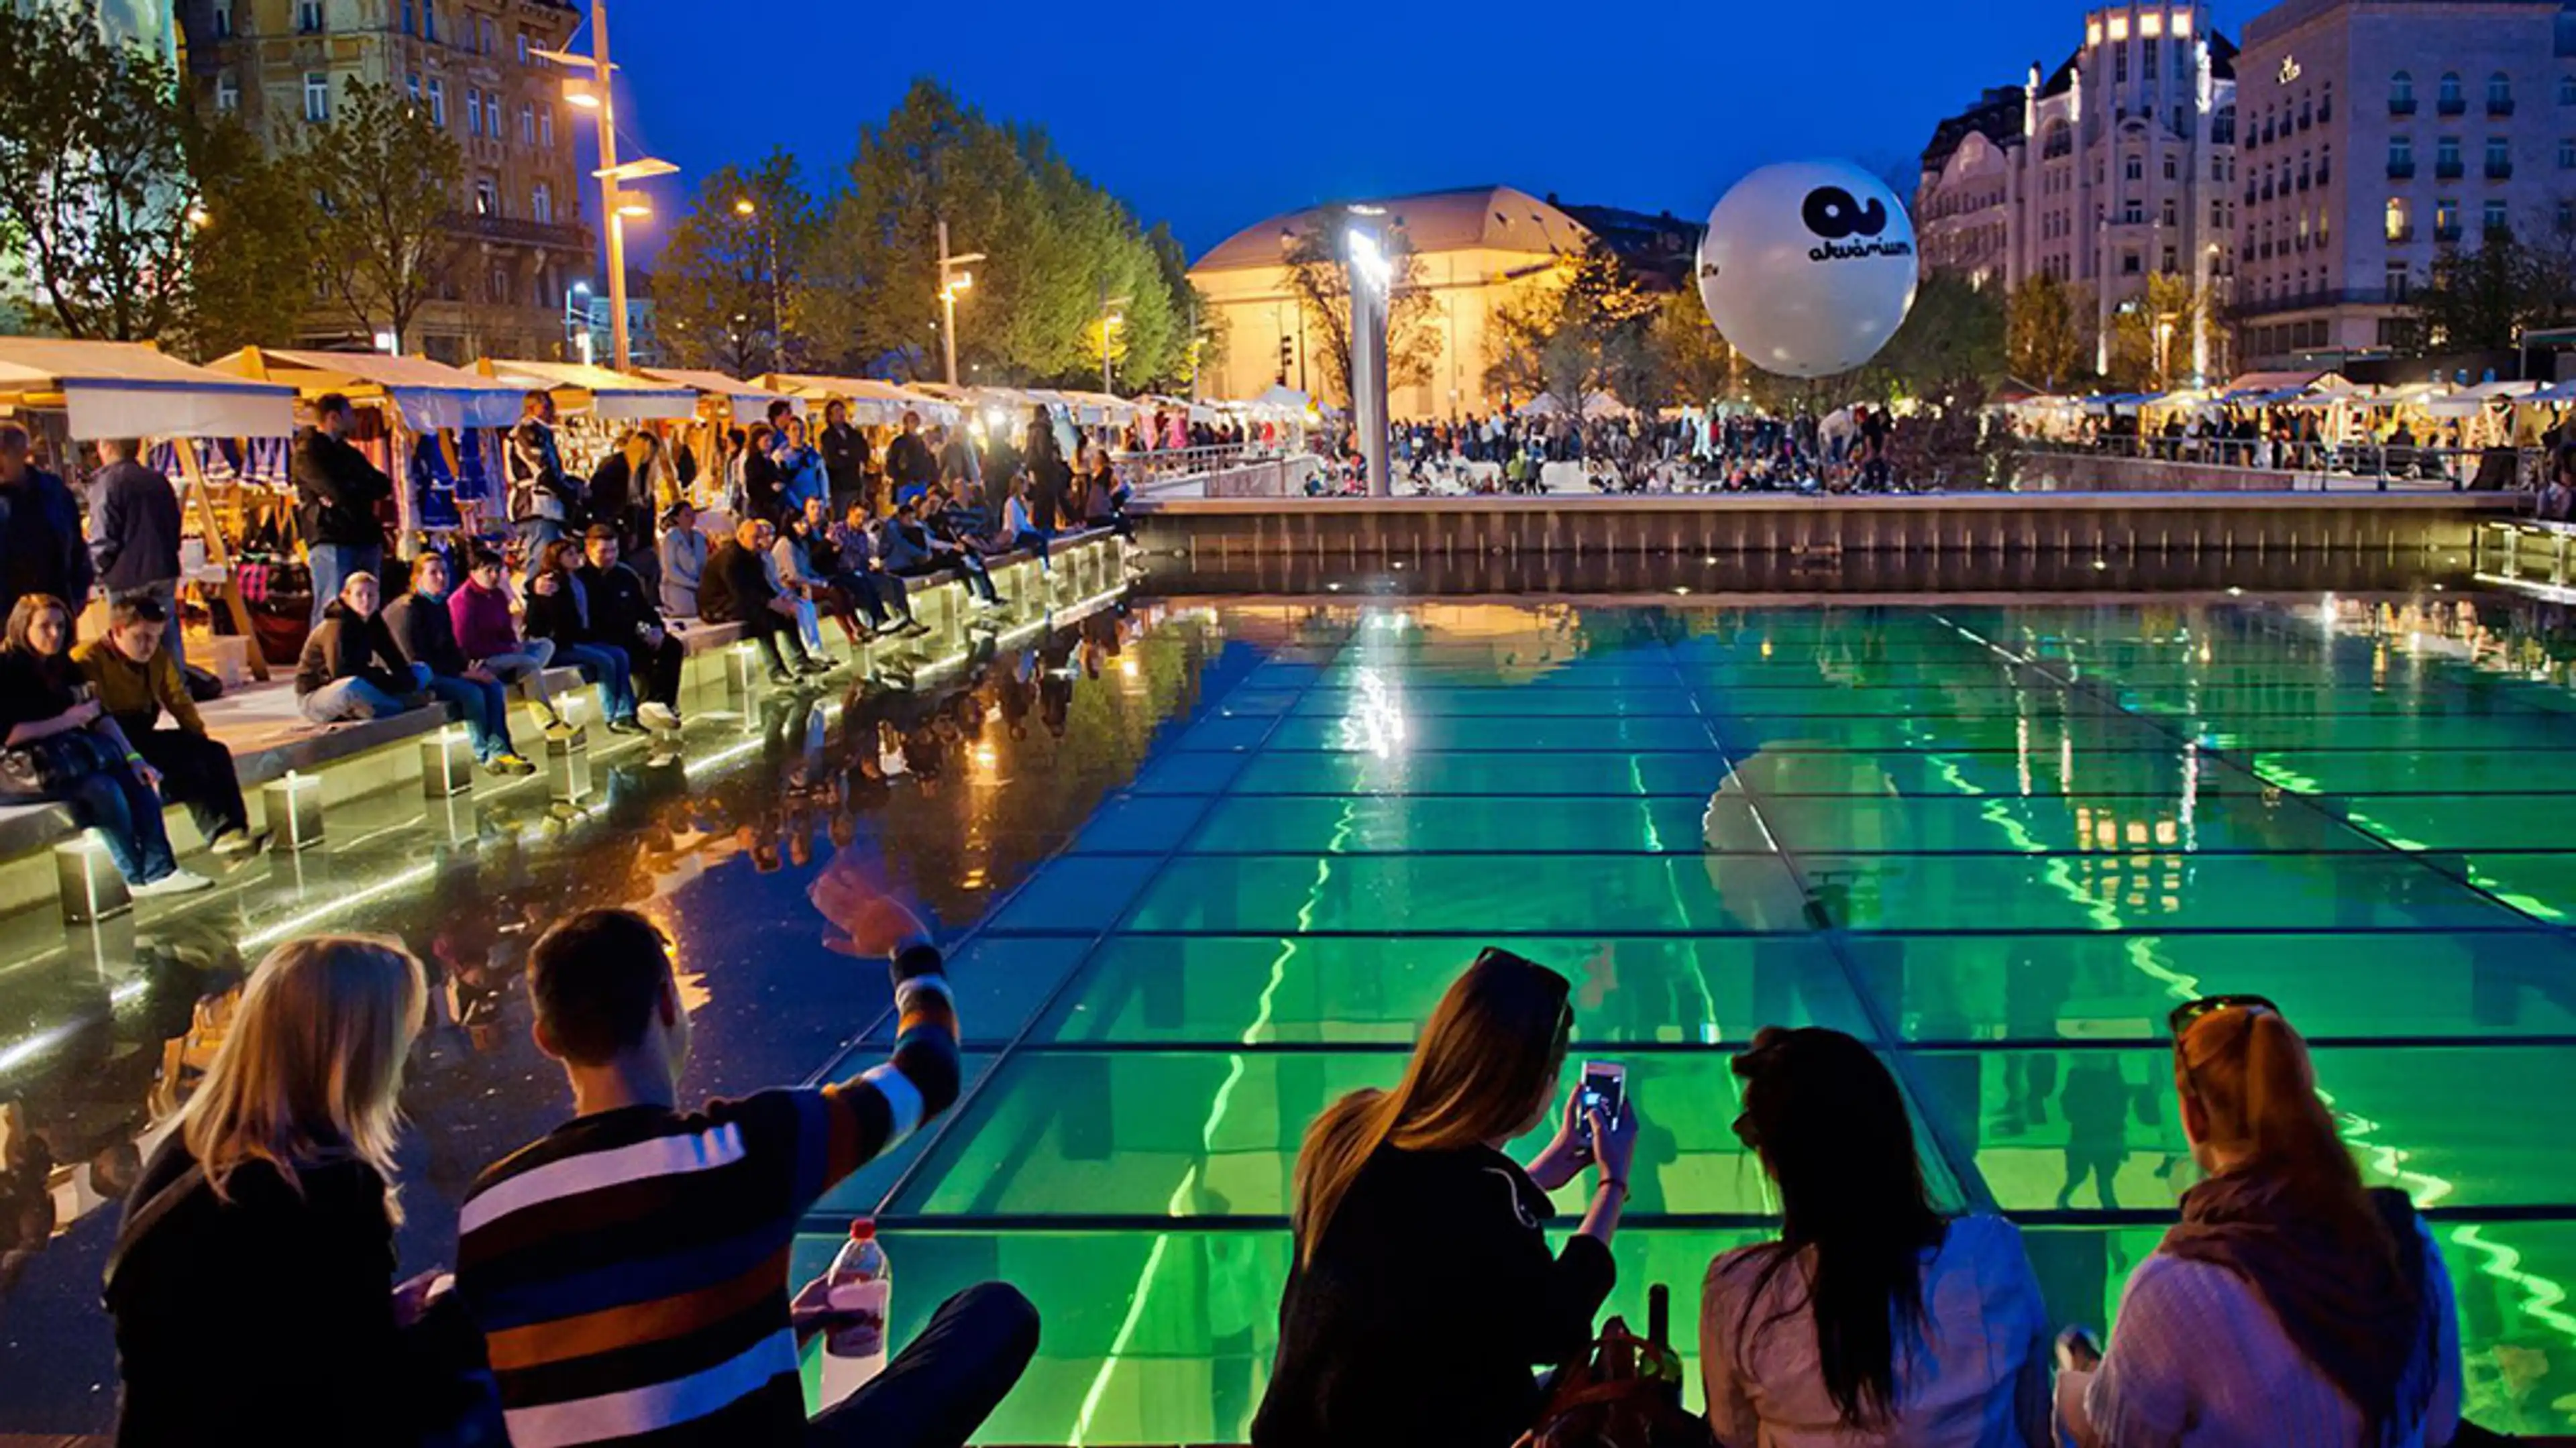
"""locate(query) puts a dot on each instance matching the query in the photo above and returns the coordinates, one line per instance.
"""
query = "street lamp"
(597, 94)
(949, 287)
(1110, 317)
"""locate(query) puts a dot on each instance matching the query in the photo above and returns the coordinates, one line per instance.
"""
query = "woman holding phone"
(1423, 1293)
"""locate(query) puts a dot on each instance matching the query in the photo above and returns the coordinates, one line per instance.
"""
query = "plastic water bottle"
(859, 1289)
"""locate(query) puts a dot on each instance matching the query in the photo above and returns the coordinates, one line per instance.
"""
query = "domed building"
(1473, 246)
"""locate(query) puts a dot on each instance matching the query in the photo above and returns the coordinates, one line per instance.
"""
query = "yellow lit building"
(1472, 248)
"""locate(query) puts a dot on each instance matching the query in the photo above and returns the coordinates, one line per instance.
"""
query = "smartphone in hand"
(1605, 1091)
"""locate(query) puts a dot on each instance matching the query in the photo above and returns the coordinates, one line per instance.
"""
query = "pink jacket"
(481, 617)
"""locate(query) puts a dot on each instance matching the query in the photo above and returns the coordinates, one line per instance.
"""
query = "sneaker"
(509, 763)
(547, 716)
(658, 716)
(780, 678)
(237, 842)
(914, 628)
(816, 666)
(624, 724)
(177, 882)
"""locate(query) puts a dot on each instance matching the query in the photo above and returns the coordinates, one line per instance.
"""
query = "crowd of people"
(2294, 438)
(624, 1278)
(1854, 449)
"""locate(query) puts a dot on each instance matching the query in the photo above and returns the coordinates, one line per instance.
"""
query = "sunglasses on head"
(2184, 1016)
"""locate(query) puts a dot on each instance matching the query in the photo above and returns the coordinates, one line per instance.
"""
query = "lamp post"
(1109, 320)
(598, 95)
(1372, 277)
(949, 287)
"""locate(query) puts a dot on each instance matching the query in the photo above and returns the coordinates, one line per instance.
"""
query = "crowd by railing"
(2390, 465)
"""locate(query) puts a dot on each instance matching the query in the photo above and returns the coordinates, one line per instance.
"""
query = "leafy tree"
(96, 189)
(1583, 329)
(1320, 282)
(2151, 338)
(251, 276)
(1692, 361)
(2046, 337)
(1954, 331)
(737, 292)
(2488, 295)
(387, 180)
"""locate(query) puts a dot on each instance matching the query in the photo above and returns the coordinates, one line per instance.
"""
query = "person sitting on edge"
(622, 610)
(424, 633)
(629, 1268)
(137, 679)
(479, 613)
(1872, 1320)
(559, 608)
(736, 589)
(351, 669)
(684, 560)
(857, 572)
(794, 572)
(909, 549)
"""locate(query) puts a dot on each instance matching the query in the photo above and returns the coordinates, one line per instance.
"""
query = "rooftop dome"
(1501, 218)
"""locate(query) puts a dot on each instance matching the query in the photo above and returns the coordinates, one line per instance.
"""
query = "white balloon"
(1808, 267)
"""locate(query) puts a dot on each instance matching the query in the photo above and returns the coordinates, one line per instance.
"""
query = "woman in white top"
(1873, 1320)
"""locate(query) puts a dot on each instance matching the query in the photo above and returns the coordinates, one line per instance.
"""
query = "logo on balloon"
(1833, 214)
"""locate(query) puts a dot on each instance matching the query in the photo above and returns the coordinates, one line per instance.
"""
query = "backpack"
(1625, 1392)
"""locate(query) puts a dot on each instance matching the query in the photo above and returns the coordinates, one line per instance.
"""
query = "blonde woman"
(1423, 1293)
(252, 1280)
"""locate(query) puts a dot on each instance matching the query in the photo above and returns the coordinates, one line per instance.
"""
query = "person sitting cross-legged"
(351, 669)
(137, 679)
(629, 1268)
(424, 633)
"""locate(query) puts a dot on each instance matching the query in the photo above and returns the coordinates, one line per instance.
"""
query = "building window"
(2171, 218)
(429, 19)
(2494, 219)
(2499, 94)
(317, 96)
(2446, 221)
(2499, 158)
(541, 202)
(2148, 54)
(523, 47)
(308, 16)
(2567, 90)
(411, 83)
(546, 128)
(2446, 158)
(2567, 216)
(2452, 99)
(2134, 168)
(2120, 65)
(2566, 154)
(2128, 263)
(473, 112)
(2401, 94)
(410, 20)
(487, 197)
(2172, 165)
(437, 101)
(223, 20)
(2171, 267)
(2401, 224)
(499, 289)
(228, 93)
(527, 124)
(2397, 276)
(490, 36)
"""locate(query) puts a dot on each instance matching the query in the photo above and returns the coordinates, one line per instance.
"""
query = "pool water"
(1997, 843)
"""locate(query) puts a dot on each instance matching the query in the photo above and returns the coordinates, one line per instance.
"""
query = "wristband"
(1615, 1182)
(133, 758)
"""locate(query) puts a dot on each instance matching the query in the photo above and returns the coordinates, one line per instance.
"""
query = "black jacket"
(1430, 1299)
(264, 1319)
(134, 523)
(41, 548)
(336, 492)
(735, 588)
(909, 463)
(568, 615)
(763, 486)
(349, 647)
(621, 607)
(424, 633)
(845, 459)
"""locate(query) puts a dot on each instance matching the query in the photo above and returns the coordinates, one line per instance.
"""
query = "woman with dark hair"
(58, 742)
(1872, 1320)
(2289, 1307)
(1422, 1293)
(559, 611)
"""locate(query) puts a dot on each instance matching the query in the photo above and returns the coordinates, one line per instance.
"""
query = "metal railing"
(2384, 466)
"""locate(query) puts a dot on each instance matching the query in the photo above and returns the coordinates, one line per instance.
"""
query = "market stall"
(594, 406)
(724, 404)
(69, 392)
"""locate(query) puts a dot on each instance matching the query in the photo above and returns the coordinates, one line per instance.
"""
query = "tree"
(1954, 331)
(386, 179)
(96, 189)
(1060, 254)
(1692, 361)
(250, 276)
(2046, 339)
(737, 291)
(1320, 282)
(1582, 329)
(2486, 297)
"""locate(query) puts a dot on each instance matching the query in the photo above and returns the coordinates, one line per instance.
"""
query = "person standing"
(845, 457)
(958, 459)
(801, 478)
(136, 679)
(541, 498)
(134, 533)
(41, 548)
(762, 483)
(336, 494)
(424, 633)
(684, 560)
(623, 617)
(909, 464)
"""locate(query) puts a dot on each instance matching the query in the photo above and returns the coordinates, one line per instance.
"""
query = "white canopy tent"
(600, 391)
(132, 389)
(748, 401)
(426, 395)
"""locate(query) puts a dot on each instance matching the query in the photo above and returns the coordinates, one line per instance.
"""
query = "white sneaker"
(657, 716)
(177, 882)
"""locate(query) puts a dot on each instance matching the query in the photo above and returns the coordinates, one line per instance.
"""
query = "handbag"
(50, 766)
(1625, 1392)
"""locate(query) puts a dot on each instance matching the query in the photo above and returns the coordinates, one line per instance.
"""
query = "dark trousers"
(127, 815)
(879, 595)
(195, 771)
(945, 1383)
(656, 671)
(766, 627)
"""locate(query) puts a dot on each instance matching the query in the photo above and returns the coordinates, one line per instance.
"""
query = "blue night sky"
(1212, 117)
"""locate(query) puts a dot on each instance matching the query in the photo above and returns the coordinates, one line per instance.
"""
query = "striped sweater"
(629, 1270)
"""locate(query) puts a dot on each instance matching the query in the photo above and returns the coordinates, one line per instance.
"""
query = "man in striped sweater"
(629, 1270)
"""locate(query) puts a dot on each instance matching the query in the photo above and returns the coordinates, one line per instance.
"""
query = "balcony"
(2303, 301)
(2499, 105)
(2499, 170)
(512, 230)
(2401, 170)
(2401, 235)
(2451, 106)
(2303, 180)
(2401, 105)
(2448, 170)
(2447, 234)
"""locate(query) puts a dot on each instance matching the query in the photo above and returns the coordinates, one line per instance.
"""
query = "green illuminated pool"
(1999, 843)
